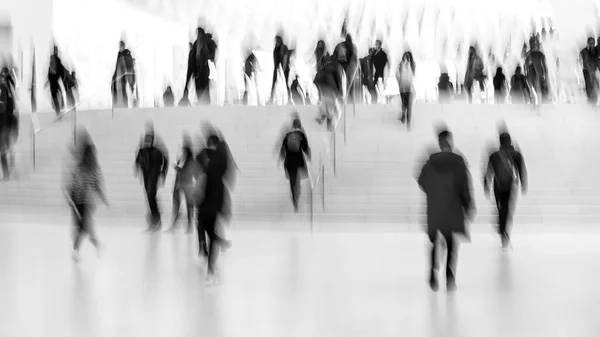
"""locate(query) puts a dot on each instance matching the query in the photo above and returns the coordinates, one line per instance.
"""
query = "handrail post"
(33, 144)
(323, 186)
(312, 216)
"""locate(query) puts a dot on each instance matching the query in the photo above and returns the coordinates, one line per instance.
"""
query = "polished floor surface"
(292, 284)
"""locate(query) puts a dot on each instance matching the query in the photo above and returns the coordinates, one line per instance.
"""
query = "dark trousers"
(407, 99)
(504, 205)
(187, 191)
(71, 98)
(451, 257)
(123, 83)
(151, 186)
(295, 185)
(202, 83)
(57, 100)
(591, 86)
(82, 221)
(8, 136)
(469, 88)
(207, 222)
(5, 166)
(286, 75)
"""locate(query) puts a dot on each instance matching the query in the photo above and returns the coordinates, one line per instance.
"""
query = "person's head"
(55, 50)
(296, 124)
(505, 140)
(213, 141)
(321, 45)
(407, 57)
(445, 141)
(200, 32)
(518, 70)
(148, 140)
(121, 46)
(169, 88)
(73, 74)
(378, 45)
(472, 51)
(349, 39)
(191, 45)
(278, 41)
(499, 71)
(149, 127)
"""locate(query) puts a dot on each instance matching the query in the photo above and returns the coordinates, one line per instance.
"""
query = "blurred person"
(537, 71)
(213, 203)
(519, 88)
(330, 85)
(169, 98)
(281, 63)
(381, 65)
(297, 92)
(506, 167)
(405, 75)
(123, 77)
(445, 88)
(56, 73)
(153, 164)
(9, 123)
(474, 73)
(294, 152)
(71, 86)
(185, 101)
(368, 78)
(251, 69)
(184, 182)
(346, 55)
(500, 86)
(84, 182)
(198, 66)
(446, 181)
(588, 58)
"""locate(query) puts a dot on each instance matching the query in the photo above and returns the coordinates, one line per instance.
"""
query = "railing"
(37, 128)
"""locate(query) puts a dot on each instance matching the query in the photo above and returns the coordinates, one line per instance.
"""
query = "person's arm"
(422, 179)
(282, 151)
(190, 69)
(466, 195)
(522, 171)
(487, 176)
(306, 147)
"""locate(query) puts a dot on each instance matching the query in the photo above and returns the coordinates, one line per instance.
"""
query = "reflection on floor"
(293, 284)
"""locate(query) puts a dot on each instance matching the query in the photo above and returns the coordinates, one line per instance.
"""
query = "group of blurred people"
(9, 121)
(57, 75)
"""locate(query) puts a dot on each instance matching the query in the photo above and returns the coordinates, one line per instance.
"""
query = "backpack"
(294, 142)
(506, 174)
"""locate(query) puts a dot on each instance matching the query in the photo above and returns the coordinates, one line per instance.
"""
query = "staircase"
(374, 186)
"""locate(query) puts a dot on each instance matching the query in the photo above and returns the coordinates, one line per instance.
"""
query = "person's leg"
(202, 248)
(176, 206)
(434, 263)
(188, 191)
(502, 204)
(151, 191)
(403, 106)
(214, 245)
(451, 259)
(469, 92)
(55, 91)
(273, 85)
(124, 96)
(286, 75)
(79, 228)
(293, 175)
(410, 97)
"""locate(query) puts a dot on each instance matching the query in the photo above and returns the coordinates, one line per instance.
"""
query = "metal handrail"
(36, 128)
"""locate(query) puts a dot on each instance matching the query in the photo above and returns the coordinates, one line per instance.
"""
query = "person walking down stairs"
(153, 165)
(184, 182)
(294, 152)
(84, 182)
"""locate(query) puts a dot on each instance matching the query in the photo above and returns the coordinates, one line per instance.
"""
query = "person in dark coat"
(153, 164)
(198, 66)
(475, 72)
(213, 202)
(123, 77)
(56, 73)
(330, 84)
(380, 64)
(281, 58)
(9, 122)
(346, 55)
(294, 152)
(519, 88)
(251, 68)
(499, 86)
(185, 101)
(169, 98)
(445, 88)
(297, 92)
(446, 181)
(588, 58)
(368, 79)
(506, 167)
(537, 71)
(184, 182)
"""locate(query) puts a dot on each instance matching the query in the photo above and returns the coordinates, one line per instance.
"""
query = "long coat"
(446, 181)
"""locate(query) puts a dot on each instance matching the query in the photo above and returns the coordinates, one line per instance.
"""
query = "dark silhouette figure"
(84, 182)
(294, 152)
(380, 64)
(213, 201)
(71, 86)
(123, 77)
(445, 88)
(499, 86)
(198, 66)
(405, 76)
(346, 55)
(445, 179)
(537, 71)
(9, 122)
(506, 167)
(281, 58)
(56, 73)
(185, 101)
(251, 68)
(519, 89)
(153, 164)
(330, 83)
(169, 98)
(588, 58)
(297, 92)
(474, 73)
(185, 169)
(367, 75)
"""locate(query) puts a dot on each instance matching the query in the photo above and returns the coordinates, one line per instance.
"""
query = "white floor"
(292, 284)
